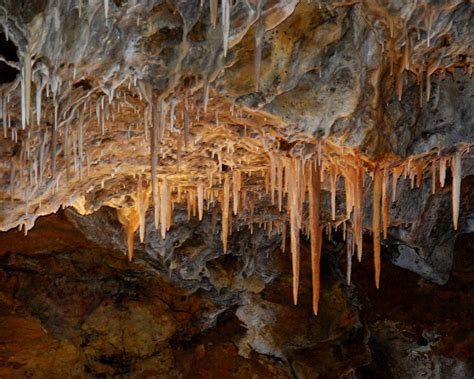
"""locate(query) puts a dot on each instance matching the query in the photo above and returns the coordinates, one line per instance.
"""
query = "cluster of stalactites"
(68, 150)
(410, 45)
(32, 165)
(290, 182)
(293, 184)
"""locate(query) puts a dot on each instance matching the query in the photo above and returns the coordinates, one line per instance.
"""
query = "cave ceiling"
(253, 107)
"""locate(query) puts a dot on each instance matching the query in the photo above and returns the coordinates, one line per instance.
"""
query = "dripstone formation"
(223, 178)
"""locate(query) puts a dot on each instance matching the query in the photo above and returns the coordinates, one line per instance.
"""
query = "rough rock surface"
(328, 70)
(118, 105)
(74, 306)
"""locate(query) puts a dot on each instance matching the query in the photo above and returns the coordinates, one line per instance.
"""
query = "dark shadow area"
(9, 52)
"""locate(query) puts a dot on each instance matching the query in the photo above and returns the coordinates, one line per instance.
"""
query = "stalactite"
(142, 207)
(213, 8)
(280, 183)
(200, 194)
(385, 203)
(169, 208)
(230, 223)
(349, 254)
(272, 176)
(358, 211)
(186, 125)
(53, 151)
(456, 191)
(376, 199)
(294, 230)
(396, 172)
(4, 114)
(26, 87)
(225, 8)
(433, 176)
(349, 186)
(154, 164)
(225, 211)
(419, 174)
(128, 217)
(300, 188)
(332, 184)
(442, 170)
(39, 92)
(315, 229)
(259, 33)
(106, 10)
(162, 125)
(236, 190)
(164, 207)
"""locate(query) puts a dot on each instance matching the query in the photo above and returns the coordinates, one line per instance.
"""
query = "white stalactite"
(225, 8)
(457, 175)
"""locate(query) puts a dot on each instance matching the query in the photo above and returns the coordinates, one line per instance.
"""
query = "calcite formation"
(232, 106)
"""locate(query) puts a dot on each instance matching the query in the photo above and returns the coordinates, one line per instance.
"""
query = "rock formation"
(200, 138)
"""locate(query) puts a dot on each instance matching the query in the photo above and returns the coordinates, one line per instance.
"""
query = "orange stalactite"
(442, 170)
(193, 181)
(315, 229)
(273, 176)
(200, 195)
(358, 209)
(142, 206)
(164, 207)
(236, 184)
(294, 229)
(280, 183)
(129, 218)
(225, 211)
(349, 191)
(286, 167)
(332, 184)
(385, 204)
(419, 174)
(169, 210)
